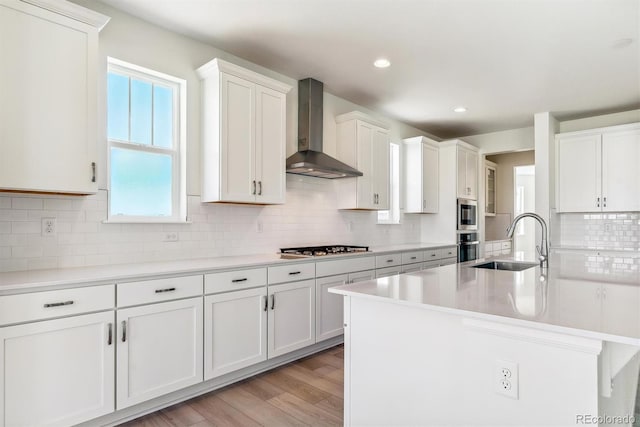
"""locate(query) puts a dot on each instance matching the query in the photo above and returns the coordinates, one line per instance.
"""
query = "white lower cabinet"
(291, 317)
(389, 271)
(235, 331)
(362, 276)
(329, 307)
(57, 372)
(159, 349)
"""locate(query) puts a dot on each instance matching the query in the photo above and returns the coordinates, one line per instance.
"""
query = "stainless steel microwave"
(467, 215)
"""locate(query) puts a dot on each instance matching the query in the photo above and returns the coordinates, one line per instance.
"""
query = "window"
(146, 144)
(392, 216)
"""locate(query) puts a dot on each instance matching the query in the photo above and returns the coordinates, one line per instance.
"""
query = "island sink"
(506, 265)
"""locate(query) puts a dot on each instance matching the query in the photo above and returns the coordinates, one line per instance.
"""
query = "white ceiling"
(502, 59)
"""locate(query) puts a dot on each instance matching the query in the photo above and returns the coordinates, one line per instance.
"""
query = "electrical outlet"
(171, 236)
(506, 378)
(49, 227)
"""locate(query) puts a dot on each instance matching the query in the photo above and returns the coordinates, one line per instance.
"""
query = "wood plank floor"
(308, 392)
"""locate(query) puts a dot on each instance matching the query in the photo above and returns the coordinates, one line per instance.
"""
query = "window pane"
(140, 112)
(162, 116)
(140, 183)
(118, 107)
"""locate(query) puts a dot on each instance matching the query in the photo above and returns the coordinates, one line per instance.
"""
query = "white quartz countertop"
(20, 281)
(570, 299)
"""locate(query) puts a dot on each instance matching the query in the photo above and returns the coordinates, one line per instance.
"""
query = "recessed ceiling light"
(460, 109)
(381, 63)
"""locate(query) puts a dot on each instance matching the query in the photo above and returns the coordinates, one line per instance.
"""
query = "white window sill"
(146, 221)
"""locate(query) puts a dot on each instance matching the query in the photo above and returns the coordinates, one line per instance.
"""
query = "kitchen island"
(458, 345)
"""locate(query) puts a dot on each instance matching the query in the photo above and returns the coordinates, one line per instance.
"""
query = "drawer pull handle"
(389, 260)
(160, 291)
(110, 334)
(273, 301)
(432, 255)
(124, 331)
(266, 305)
(58, 304)
(293, 273)
(239, 280)
(414, 257)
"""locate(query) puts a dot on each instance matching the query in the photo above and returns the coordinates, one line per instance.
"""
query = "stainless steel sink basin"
(506, 265)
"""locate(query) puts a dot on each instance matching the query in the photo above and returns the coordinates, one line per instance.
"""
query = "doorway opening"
(524, 199)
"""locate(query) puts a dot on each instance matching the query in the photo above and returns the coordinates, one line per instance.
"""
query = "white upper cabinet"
(363, 143)
(490, 187)
(597, 170)
(243, 135)
(48, 101)
(467, 173)
(420, 175)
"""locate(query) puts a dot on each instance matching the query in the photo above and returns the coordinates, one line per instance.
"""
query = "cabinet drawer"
(411, 268)
(290, 273)
(49, 304)
(506, 245)
(449, 252)
(150, 291)
(390, 260)
(234, 280)
(430, 264)
(386, 272)
(342, 266)
(430, 255)
(448, 261)
(412, 257)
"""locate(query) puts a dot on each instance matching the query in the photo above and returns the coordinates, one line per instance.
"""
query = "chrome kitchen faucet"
(543, 249)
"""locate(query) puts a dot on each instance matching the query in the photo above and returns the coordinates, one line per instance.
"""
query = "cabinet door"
(329, 307)
(159, 349)
(472, 175)
(48, 103)
(430, 180)
(57, 372)
(387, 272)
(578, 178)
(362, 276)
(271, 116)
(381, 168)
(235, 331)
(292, 314)
(621, 171)
(366, 165)
(238, 146)
(463, 190)
(490, 191)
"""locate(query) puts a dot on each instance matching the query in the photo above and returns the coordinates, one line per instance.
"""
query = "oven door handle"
(477, 242)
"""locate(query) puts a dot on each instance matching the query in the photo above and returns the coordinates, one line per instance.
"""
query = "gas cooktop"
(322, 250)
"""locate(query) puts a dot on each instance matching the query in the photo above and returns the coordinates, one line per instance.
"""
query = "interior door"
(57, 372)
(159, 349)
(271, 116)
(578, 177)
(238, 147)
(621, 171)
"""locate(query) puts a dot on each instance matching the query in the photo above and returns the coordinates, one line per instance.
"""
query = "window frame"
(177, 152)
(394, 211)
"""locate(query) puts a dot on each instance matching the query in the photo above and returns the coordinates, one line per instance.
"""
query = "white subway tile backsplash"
(310, 216)
(611, 231)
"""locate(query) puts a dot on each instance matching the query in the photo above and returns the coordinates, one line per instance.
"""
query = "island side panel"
(413, 366)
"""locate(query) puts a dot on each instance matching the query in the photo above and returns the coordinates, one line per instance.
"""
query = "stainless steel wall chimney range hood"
(310, 160)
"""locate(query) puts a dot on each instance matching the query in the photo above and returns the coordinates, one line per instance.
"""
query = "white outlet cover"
(49, 227)
(506, 379)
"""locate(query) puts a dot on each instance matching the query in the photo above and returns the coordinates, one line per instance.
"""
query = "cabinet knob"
(604, 200)
(597, 202)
